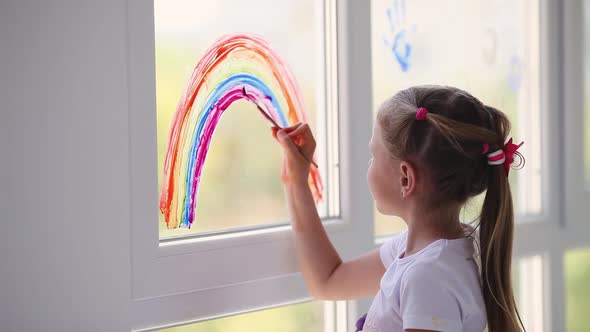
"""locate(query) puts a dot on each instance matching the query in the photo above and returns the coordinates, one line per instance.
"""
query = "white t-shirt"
(437, 288)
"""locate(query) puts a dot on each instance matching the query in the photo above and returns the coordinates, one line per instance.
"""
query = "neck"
(425, 227)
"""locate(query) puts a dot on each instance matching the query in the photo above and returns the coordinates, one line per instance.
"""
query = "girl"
(433, 148)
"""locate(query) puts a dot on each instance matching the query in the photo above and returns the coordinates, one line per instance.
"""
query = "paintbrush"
(275, 124)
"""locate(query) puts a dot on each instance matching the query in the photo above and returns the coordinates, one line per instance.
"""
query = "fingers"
(303, 137)
(298, 139)
(298, 146)
(293, 127)
(287, 143)
(293, 131)
(299, 129)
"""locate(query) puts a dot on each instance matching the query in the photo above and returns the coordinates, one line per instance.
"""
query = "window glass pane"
(527, 282)
(386, 225)
(308, 317)
(577, 289)
(239, 184)
(488, 48)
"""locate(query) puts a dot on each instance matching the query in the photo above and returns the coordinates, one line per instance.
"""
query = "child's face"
(384, 176)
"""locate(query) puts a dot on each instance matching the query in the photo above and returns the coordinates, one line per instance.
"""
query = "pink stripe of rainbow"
(231, 63)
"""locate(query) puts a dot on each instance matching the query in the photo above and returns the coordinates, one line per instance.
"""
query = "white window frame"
(562, 225)
(577, 194)
(232, 273)
(536, 235)
(566, 194)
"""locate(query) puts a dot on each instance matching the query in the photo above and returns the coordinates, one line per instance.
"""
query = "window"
(239, 250)
(528, 283)
(496, 59)
(577, 270)
(509, 55)
(178, 275)
(234, 182)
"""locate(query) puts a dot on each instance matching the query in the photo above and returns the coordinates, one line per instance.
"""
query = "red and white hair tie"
(505, 156)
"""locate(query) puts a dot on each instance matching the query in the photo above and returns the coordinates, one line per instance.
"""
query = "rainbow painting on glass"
(234, 63)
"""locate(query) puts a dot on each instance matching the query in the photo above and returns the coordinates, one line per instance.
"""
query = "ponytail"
(496, 235)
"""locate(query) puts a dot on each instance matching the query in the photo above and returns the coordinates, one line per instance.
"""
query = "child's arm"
(326, 276)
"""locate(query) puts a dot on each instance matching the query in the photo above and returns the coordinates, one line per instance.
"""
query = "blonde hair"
(448, 146)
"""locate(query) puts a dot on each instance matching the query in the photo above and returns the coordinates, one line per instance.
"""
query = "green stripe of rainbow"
(233, 62)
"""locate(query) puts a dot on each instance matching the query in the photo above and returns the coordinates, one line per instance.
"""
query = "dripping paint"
(232, 63)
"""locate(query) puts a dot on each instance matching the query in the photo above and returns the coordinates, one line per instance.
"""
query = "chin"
(388, 211)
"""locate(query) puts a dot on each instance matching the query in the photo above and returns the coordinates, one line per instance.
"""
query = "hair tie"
(485, 148)
(496, 158)
(421, 114)
(505, 156)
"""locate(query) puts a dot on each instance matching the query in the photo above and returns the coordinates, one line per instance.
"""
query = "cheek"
(382, 189)
(379, 180)
(372, 176)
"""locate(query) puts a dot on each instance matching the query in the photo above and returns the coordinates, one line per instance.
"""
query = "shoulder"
(435, 284)
(432, 276)
(426, 300)
(443, 265)
(425, 271)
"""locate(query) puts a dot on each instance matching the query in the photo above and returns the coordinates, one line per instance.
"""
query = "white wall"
(64, 231)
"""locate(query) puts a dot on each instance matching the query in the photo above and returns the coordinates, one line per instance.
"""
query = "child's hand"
(298, 148)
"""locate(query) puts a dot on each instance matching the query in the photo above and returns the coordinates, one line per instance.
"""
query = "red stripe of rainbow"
(231, 63)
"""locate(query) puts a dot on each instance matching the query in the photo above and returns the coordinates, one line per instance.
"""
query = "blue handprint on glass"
(399, 40)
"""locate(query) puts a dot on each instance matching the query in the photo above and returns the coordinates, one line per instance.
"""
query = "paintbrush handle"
(303, 154)
(268, 117)
(310, 160)
(274, 123)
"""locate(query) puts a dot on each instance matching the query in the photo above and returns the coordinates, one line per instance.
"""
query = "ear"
(407, 178)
